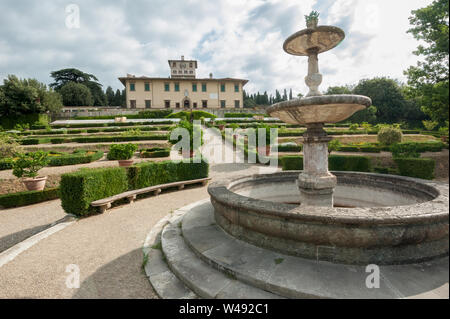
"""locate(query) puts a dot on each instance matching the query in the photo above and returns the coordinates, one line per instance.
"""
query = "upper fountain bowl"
(319, 109)
(318, 39)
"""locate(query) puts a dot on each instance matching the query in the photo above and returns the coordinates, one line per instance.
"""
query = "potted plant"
(221, 125)
(122, 153)
(264, 149)
(190, 128)
(235, 127)
(27, 165)
(312, 19)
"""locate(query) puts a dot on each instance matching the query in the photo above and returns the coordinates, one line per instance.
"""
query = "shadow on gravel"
(123, 277)
(10, 240)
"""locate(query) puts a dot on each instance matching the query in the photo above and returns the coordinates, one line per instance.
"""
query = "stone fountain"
(306, 234)
(316, 183)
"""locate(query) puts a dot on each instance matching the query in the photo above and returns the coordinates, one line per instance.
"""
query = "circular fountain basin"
(377, 218)
(319, 109)
(319, 39)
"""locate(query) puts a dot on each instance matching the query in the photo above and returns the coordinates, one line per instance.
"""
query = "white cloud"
(229, 38)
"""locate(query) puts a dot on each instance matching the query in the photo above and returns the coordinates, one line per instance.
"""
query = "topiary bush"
(416, 167)
(79, 189)
(389, 135)
(121, 151)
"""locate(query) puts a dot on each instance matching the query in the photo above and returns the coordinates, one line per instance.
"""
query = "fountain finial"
(312, 19)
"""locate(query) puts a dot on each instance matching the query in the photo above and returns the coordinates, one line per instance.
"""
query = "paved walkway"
(107, 248)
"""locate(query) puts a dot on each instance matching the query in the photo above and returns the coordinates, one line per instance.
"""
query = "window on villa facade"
(222, 103)
(203, 87)
(147, 86)
(194, 87)
(237, 104)
(236, 88)
(132, 87)
(194, 105)
(133, 104)
(167, 104)
(148, 104)
(177, 87)
(222, 88)
(166, 87)
(204, 103)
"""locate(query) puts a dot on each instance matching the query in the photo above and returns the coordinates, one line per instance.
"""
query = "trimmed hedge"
(5, 163)
(96, 139)
(154, 152)
(349, 163)
(28, 198)
(141, 115)
(88, 125)
(147, 174)
(291, 163)
(335, 163)
(242, 115)
(73, 159)
(80, 188)
(416, 167)
(289, 148)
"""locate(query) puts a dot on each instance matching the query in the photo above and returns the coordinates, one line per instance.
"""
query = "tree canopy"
(27, 96)
(429, 80)
(76, 94)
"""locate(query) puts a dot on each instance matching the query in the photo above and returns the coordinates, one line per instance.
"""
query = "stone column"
(314, 78)
(316, 183)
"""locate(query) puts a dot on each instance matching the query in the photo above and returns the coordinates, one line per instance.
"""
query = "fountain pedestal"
(316, 183)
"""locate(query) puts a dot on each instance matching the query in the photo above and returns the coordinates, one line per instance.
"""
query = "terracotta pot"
(264, 150)
(126, 163)
(35, 184)
(190, 155)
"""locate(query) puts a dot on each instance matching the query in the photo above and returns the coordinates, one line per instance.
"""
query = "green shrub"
(28, 119)
(8, 145)
(28, 165)
(75, 158)
(405, 150)
(154, 152)
(28, 198)
(389, 135)
(289, 147)
(6, 163)
(121, 151)
(429, 125)
(353, 127)
(349, 163)
(99, 139)
(147, 174)
(79, 189)
(416, 167)
(349, 148)
(289, 163)
(196, 115)
(248, 115)
(334, 145)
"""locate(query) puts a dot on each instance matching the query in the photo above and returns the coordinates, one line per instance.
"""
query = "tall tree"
(76, 94)
(110, 95)
(386, 95)
(339, 90)
(429, 79)
(27, 96)
(64, 76)
(290, 94)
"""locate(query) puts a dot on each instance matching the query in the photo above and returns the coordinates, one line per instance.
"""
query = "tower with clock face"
(182, 68)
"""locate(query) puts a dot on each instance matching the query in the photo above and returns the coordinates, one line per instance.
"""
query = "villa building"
(183, 89)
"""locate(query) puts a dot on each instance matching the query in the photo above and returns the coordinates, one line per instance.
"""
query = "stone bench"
(105, 203)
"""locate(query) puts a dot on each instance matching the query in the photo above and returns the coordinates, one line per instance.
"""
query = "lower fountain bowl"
(380, 219)
(319, 109)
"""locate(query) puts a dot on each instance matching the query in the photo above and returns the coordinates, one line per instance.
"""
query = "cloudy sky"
(229, 38)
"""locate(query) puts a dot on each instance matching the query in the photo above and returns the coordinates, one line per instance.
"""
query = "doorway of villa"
(187, 104)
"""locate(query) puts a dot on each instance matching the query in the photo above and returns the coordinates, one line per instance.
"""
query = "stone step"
(201, 278)
(163, 281)
(295, 277)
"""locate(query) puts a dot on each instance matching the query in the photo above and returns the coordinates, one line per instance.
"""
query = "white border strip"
(14, 251)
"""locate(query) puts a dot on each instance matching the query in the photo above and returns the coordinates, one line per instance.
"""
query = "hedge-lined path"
(107, 248)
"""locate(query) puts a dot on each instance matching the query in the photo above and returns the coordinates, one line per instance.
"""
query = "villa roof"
(124, 79)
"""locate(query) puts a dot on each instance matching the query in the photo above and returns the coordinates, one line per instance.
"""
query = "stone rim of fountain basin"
(362, 235)
(319, 109)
